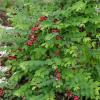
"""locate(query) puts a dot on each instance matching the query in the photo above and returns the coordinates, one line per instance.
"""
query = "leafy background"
(78, 61)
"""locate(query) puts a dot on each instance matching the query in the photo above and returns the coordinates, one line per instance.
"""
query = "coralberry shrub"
(55, 49)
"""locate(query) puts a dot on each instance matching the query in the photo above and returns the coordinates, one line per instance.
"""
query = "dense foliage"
(54, 50)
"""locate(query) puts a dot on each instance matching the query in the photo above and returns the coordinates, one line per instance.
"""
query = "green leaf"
(49, 36)
(78, 6)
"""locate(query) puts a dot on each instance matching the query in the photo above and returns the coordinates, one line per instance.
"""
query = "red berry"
(30, 43)
(76, 98)
(69, 93)
(42, 18)
(35, 29)
(1, 92)
(58, 76)
(58, 37)
(12, 57)
(55, 30)
(33, 37)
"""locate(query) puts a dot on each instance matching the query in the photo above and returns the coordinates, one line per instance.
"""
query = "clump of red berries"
(69, 94)
(43, 18)
(12, 57)
(32, 39)
(29, 43)
(1, 92)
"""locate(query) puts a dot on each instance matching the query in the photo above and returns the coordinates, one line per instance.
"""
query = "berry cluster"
(32, 39)
(33, 36)
(43, 18)
(55, 30)
(69, 94)
(1, 92)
